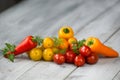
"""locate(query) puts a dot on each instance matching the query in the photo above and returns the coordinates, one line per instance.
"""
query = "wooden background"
(99, 18)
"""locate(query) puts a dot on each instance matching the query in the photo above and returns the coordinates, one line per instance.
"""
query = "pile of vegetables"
(62, 49)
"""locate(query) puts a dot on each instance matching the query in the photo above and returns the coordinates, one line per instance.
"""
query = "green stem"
(66, 30)
(90, 43)
(37, 39)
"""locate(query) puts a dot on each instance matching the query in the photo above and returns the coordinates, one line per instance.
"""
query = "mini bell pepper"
(30, 42)
(99, 48)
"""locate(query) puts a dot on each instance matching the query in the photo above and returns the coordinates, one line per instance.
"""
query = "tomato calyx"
(77, 45)
(75, 48)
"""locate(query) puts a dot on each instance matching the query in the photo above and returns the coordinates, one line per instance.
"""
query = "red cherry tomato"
(70, 56)
(59, 58)
(85, 51)
(92, 59)
(79, 60)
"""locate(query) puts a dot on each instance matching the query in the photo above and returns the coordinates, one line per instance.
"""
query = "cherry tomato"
(64, 44)
(79, 60)
(70, 56)
(59, 58)
(48, 54)
(48, 42)
(92, 59)
(85, 51)
(72, 40)
(35, 54)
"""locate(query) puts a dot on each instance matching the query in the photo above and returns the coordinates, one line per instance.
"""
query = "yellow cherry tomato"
(48, 42)
(63, 44)
(35, 54)
(72, 40)
(65, 32)
(48, 54)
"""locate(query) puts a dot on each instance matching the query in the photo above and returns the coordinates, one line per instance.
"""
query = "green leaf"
(4, 51)
(75, 49)
(10, 47)
(57, 41)
(62, 51)
(81, 43)
(11, 57)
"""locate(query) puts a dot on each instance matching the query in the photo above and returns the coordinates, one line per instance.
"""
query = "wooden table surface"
(99, 18)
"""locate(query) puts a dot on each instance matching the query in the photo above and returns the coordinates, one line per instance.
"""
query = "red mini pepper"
(10, 51)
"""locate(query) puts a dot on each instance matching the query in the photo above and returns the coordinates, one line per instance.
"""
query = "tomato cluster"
(65, 49)
(85, 56)
(77, 52)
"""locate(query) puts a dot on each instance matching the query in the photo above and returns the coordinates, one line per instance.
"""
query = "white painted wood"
(117, 77)
(81, 17)
(46, 70)
(29, 22)
(114, 42)
(24, 19)
(104, 26)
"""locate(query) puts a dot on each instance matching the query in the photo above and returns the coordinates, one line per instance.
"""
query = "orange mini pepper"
(99, 48)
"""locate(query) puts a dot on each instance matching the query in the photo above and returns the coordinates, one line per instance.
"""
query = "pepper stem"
(90, 43)
(66, 30)
(11, 57)
(8, 51)
(37, 39)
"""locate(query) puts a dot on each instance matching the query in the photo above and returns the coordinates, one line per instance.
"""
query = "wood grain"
(98, 18)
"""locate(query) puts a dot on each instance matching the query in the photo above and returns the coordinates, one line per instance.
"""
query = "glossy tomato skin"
(70, 56)
(59, 58)
(92, 59)
(85, 51)
(79, 60)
